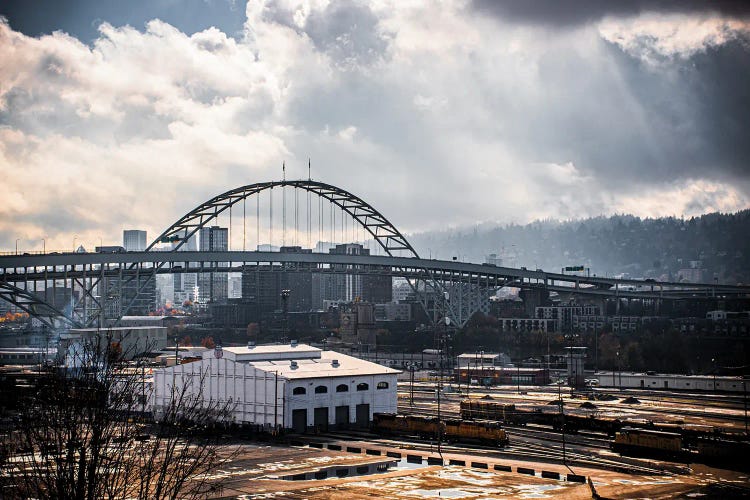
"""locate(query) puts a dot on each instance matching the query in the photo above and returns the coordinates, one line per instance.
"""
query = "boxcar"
(631, 441)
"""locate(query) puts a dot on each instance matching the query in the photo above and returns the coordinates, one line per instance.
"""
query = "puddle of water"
(442, 493)
(537, 490)
(645, 483)
(467, 476)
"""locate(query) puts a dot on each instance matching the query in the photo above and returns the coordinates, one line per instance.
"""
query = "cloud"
(551, 13)
(653, 37)
(434, 114)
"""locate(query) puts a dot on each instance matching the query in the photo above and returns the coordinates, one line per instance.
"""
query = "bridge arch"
(35, 306)
(382, 231)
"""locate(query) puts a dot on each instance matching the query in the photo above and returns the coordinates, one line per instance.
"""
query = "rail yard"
(411, 455)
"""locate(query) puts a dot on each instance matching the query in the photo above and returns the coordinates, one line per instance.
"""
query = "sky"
(119, 115)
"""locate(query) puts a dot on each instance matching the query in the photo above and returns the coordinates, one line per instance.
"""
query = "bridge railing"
(35, 252)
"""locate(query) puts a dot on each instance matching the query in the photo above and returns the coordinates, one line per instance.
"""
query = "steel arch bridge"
(465, 302)
(382, 231)
(456, 290)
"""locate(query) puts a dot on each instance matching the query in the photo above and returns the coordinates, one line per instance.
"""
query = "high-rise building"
(185, 283)
(133, 296)
(264, 284)
(350, 287)
(213, 287)
(134, 240)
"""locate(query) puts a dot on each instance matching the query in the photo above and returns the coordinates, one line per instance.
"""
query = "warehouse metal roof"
(329, 364)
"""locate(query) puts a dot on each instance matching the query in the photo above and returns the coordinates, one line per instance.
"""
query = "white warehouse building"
(291, 386)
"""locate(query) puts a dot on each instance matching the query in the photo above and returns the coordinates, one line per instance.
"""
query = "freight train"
(675, 440)
(482, 431)
(550, 415)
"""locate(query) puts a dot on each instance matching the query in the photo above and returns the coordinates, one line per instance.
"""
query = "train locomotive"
(452, 430)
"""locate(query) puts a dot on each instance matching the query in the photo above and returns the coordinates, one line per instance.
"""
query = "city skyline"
(472, 111)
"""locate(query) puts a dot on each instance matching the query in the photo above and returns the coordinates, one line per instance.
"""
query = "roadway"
(26, 268)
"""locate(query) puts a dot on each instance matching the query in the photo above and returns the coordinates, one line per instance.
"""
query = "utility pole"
(143, 386)
(713, 360)
(562, 418)
(442, 345)
(411, 380)
(614, 382)
(518, 377)
(440, 422)
(275, 402)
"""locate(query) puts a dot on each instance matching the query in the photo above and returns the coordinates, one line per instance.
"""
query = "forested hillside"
(715, 246)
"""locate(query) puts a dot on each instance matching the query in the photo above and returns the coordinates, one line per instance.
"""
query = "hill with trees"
(712, 247)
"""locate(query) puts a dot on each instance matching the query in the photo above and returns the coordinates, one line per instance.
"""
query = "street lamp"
(75, 237)
(44, 244)
(17, 240)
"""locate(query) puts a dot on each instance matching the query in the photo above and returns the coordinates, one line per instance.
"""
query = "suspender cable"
(244, 223)
(309, 236)
(296, 216)
(270, 219)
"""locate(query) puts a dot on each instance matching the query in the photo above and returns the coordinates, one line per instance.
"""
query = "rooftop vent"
(293, 365)
(251, 344)
(294, 343)
(335, 363)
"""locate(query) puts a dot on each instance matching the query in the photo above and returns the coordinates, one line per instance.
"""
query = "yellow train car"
(426, 427)
(480, 431)
(631, 441)
(489, 410)
(431, 428)
(390, 423)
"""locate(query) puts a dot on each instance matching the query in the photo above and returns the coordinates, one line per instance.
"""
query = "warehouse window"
(342, 388)
(382, 385)
(321, 389)
(362, 386)
(299, 390)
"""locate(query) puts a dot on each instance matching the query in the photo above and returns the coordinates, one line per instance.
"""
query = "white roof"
(267, 352)
(116, 329)
(323, 367)
(153, 318)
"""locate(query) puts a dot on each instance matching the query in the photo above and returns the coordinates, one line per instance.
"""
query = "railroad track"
(648, 407)
(522, 451)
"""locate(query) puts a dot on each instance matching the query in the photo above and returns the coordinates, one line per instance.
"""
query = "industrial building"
(652, 380)
(292, 386)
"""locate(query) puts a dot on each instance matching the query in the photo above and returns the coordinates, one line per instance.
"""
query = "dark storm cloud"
(576, 12)
(687, 118)
(81, 18)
